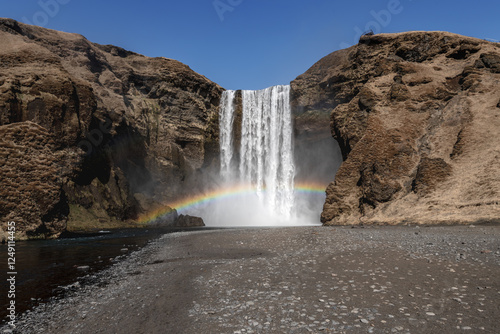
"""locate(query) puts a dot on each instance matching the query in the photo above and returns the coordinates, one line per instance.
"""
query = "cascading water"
(256, 183)
(266, 152)
(226, 120)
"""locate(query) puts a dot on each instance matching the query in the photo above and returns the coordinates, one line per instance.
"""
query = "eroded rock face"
(31, 169)
(120, 125)
(416, 116)
(113, 133)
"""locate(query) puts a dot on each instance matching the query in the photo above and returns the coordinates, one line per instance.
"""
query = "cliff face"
(94, 132)
(416, 116)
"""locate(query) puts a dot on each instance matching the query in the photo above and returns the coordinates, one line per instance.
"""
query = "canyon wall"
(417, 118)
(95, 134)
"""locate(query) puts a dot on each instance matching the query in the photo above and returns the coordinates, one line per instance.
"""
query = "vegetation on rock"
(417, 120)
(111, 126)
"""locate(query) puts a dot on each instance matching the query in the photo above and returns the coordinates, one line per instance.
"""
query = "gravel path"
(292, 280)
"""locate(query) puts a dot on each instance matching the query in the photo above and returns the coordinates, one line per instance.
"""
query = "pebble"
(414, 277)
(83, 268)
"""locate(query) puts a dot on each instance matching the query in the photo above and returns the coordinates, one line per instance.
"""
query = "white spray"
(266, 150)
(263, 171)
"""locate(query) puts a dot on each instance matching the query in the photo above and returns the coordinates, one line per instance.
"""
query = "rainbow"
(220, 194)
(311, 188)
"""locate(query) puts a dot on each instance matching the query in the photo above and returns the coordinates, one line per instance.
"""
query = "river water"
(43, 266)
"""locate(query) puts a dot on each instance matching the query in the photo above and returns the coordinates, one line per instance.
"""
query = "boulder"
(189, 221)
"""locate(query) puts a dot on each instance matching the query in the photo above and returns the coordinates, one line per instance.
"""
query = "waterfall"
(226, 120)
(266, 150)
(266, 178)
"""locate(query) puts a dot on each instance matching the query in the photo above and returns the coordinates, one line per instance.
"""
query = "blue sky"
(251, 44)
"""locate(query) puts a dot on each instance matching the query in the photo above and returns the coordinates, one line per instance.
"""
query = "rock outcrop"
(416, 116)
(189, 221)
(94, 131)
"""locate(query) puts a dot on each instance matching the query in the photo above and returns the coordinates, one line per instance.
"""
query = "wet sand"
(292, 280)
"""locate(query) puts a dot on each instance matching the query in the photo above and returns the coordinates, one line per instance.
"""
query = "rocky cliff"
(93, 135)
(417, 118)
(94, 132)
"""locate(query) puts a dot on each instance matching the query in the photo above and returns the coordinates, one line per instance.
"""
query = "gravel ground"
(291, 280)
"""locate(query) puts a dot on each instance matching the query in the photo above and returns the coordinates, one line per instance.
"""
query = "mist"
(270, 177)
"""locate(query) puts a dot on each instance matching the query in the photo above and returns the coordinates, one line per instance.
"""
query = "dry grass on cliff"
(418, 115)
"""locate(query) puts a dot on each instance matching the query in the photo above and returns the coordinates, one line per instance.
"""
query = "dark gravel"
(291, 280)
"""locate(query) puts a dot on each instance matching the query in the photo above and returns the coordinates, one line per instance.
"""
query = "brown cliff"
(95, 135)
(96, 132)
(417, 118)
